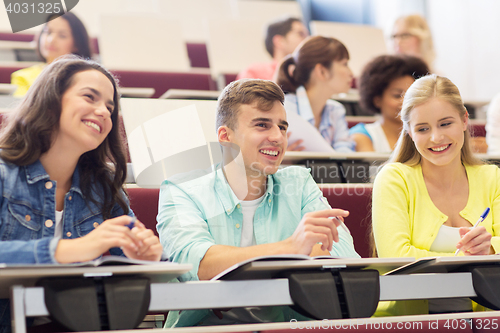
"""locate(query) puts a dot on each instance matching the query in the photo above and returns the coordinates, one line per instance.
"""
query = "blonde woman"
(432, 190)
(411, 36)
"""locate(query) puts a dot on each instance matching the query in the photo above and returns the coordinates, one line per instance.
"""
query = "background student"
(411, 35)
(246, 208)
(383, 83)
(310, 76)
(61, 200)
(432, 191)
(282, 37)
(65, 34)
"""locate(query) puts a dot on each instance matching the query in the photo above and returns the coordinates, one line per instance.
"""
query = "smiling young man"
(247, 207)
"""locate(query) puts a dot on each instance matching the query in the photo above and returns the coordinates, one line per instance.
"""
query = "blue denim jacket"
(27, 218)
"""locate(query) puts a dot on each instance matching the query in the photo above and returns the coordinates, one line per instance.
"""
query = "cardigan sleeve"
(391, 215)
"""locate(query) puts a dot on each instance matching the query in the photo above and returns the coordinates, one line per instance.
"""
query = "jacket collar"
(36, 172)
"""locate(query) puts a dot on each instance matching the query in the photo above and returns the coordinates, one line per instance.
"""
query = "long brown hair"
(30, 128)
(421, 91)
(80, 35)
(313, 50)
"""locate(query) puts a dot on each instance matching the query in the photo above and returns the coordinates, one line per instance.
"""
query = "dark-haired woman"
(382, 85)
(62, 35)
(62, 168)
(310, 76)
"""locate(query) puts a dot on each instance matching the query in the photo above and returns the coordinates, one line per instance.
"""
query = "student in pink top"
(282, 37)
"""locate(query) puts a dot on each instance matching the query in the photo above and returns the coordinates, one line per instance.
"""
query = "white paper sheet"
(302, 129)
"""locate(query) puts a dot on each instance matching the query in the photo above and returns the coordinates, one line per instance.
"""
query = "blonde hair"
(421, 91)
(417, 26)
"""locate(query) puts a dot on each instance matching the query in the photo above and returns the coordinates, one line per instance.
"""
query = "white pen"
(481, 219)
(336, 217)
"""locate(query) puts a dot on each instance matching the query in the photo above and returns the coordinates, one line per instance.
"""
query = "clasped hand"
(136, 243)
(475, 241)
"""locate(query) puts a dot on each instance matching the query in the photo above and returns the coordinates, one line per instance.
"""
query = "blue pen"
(336, 217)
(481, 219)
(132, 223)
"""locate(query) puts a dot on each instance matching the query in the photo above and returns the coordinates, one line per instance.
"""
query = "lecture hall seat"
(144, 203)
(356, 198)
(6, 72)
(197, 53)
(163, 81)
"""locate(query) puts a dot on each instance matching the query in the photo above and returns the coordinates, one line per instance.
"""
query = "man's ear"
(224, 135)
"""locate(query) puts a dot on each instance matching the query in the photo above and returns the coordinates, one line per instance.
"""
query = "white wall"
(467, 41)
(466, 38)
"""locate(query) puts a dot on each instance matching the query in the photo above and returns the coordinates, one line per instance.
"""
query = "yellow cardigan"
(24, 78)
(406, 221)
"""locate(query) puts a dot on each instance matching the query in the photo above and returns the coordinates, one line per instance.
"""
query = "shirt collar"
(303, 106)
(304, 109)
(225, 193)
(228, 198)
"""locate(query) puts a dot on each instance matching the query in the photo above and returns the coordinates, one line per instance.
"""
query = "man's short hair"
(263, 93)
(280, 27)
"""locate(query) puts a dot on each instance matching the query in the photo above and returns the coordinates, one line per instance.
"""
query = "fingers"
(325, 234)
(117, 232)
(475, 241)
(320, 227)
(296, 146)
(329, 213)
(150, 247)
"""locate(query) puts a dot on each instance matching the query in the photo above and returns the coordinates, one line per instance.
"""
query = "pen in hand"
(327, 206)
(132, 223)
(481, 219)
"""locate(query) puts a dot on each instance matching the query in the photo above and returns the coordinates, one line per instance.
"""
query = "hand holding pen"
(479, 237)
(327, 206)
(316, 228)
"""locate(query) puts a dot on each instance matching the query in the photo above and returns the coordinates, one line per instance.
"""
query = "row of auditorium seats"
(160, 81)
(197, 52)
(354, 198)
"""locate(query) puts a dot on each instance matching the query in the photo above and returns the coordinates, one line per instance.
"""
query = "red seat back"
(357, 200)
(144, 203)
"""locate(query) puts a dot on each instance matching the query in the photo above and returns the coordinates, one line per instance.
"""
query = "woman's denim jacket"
(27, 208)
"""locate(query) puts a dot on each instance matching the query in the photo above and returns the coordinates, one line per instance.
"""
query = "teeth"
(440, 149)
(269, 152)
(93, 125)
